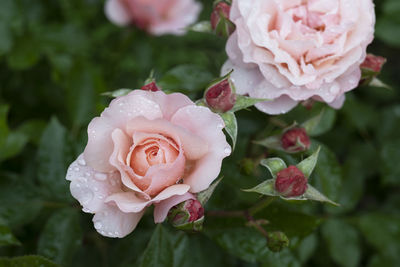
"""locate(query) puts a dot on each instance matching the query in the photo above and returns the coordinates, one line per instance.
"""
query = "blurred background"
(56, 60)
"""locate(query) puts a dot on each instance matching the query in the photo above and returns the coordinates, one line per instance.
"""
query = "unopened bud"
(291, 182)
(277, 241)
(220, 20)
(295, 140)
(188, 215)
(373, 63)
(221, 96)
(152, 86)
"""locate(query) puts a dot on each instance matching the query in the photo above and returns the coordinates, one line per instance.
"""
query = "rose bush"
(155, 16)
(288, 51)
(146, 148)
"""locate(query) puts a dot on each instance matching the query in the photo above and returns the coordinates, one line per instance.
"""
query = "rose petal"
(207, 125)
(117, 13)
(193, 145)
(121, 110)
(90, 187)
(112, 222)
(162, 208)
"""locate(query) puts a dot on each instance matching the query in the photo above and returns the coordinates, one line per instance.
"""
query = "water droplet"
(76, 169)
(95, 189)
(220, 125)
(86, 210)
(97, 225)
(227, 150)
(121, 104)
(87, 196)
(101, 197)
(87, 174)
(100, 176)
(116, 233)
(82, 179)
(130, 114)
(78, 185)
(113, 183)
(82, 162)
(110, 234)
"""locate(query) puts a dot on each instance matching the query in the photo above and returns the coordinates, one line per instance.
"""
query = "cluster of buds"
(188, 215)
(220, 22)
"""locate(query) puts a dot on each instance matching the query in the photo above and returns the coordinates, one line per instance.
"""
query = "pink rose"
(155, 16)
(294, 50)
(146, 148)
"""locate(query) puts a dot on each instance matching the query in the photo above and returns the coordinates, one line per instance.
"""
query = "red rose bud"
(291, 182)
(295, 140)
(151, 87)
(221, 96)
(373, 63)
(220, 22)
(277, 241)
(188, 215)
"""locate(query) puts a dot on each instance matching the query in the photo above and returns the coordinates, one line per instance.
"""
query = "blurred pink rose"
(146, 148)
(294, 50)
(155, 16)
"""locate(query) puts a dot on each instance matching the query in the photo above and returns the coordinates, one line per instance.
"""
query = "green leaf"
(307, 247)
(6, 40)
(321, 123)
(205, 195)
(313, 194)
(389, 168)
(24, 54)
(244, 243)
(27, 261)
(387, 30)
(274, 165)
(186, 78)
(14, 143)
(307, 165)
(293, 223)
(343, 242)
(231, 126)
(382, 232)
(272, 142)
(265, 188)
(6, 237)
(53, 158)
(159, 251)
(81, 95)
(243, 102)
(327, 175)
(117, 93)
(61, 237)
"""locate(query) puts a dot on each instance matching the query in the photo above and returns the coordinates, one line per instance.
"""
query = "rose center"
(151, 152)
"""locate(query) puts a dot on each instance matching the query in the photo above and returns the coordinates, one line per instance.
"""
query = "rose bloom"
(155, 16)
(146, 148)
(293, 50)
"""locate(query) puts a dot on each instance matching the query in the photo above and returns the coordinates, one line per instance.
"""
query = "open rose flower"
(293, 50)
(155, 16)
(146, 148)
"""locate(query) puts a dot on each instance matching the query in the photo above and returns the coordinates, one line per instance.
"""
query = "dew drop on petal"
(87, 197)
(76, 169)
(82, 162)
(227, 150)
(100, 176)
(97, 225)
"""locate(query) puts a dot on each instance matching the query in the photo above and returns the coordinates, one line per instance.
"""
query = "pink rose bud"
(151, 87)
(187, 215)
(220, 96)
(291, 182)
(220, 19)
(295, 139)
(374, 63)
